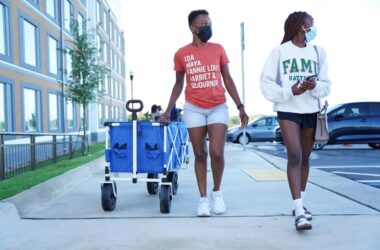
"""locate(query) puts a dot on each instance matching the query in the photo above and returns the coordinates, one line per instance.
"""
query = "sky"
(347, 29)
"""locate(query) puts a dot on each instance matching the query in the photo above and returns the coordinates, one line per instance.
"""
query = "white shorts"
(194, 116)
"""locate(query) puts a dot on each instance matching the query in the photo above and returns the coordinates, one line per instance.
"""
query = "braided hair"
(293, 24)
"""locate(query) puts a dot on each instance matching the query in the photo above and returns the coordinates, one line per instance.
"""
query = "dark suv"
(353, 123)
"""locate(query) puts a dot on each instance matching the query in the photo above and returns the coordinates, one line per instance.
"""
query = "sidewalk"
(346, 214)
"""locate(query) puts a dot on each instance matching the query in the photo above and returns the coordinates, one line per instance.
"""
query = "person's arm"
(232, 91)
(176, 92)
(270, 88)
(323, 84)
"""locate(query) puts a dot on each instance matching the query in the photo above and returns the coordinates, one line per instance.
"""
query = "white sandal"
(302, 223)
(308, 214)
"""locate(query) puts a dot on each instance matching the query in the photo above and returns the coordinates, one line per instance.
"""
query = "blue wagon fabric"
(150, 147)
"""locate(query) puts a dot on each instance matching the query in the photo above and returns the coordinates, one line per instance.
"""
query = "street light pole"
(242, 58)
(242, 71)
(131, 73)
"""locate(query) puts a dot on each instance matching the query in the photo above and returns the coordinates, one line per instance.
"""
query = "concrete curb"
(33, 198)
(363, 194)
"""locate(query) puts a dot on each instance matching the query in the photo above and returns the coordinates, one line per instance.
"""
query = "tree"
(86, 74)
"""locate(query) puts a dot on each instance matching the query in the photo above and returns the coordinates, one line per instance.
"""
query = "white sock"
(298, 206)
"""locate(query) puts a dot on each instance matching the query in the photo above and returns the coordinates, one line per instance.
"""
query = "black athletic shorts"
(303, 120)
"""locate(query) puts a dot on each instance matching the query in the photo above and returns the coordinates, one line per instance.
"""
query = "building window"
(34, 2)
(30, 43)
(3, 126)
(69, 66)
(106, 83)
(106, 117)
(68, 15)
(99, 46)
(6, 107)
(5, 34)
(105, 21)
(32, 119)
(105, 52)
(51, 9)
(81, 24)
(112, 29)
(52, 55)
(100, 87)
(98, 11)
(70, 115)
(82, 116)
(100, 115)
(53, 112)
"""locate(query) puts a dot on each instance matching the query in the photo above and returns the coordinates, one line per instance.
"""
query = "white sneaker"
(218, 206)
(203, 208)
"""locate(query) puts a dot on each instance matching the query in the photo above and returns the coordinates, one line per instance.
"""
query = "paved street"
(357, 162)
(65, 213)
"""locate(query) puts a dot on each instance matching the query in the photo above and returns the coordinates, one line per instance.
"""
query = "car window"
(261, 122)
(350, 111)
(374, 109)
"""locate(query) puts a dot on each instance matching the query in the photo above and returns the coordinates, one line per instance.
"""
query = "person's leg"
(198, 141)
(217, 129)
(291, 135)
(307, 141)
(292, 138)
(217, 134)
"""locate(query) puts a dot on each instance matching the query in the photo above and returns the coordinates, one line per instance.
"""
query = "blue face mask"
(311, 34)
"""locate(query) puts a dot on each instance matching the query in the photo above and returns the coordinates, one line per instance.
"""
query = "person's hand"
(297, 88)
(164, 117)
(309, 85)
(243, 118)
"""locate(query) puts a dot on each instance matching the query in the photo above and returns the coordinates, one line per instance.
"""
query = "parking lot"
(357, 162)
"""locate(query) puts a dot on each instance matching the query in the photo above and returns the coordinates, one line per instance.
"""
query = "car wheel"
(243, 140)
(374, 145)
(318, 146)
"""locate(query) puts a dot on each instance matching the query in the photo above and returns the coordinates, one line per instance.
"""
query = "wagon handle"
(133, 109)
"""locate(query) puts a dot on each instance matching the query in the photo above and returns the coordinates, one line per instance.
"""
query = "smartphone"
(309, 78)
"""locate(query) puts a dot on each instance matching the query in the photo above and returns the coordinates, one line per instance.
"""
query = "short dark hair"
(293, 24)
(194, 15)
(153, 109)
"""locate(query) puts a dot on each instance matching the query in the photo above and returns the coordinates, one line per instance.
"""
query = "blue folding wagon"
(156, 150)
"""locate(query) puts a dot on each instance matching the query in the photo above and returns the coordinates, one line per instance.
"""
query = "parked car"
(259, 129)
(350, 123)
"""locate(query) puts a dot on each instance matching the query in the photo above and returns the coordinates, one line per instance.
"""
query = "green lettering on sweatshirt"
(285, 65)
(294, 67)
(315, 66)
(306, 65)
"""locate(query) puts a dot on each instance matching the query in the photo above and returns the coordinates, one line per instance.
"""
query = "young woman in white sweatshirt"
(284, 81)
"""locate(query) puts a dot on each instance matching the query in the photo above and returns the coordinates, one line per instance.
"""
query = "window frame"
(39, 103)
(8, 56)
(70, 30)
(83, 24)
(35, 3)
(58, 94)
(101, 119)
(23, 17)
(9, 115)
(59, 66)
(57, 12)
(67, 54)
(69, 129)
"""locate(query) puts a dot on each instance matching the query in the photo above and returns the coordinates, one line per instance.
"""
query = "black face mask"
(205, 33)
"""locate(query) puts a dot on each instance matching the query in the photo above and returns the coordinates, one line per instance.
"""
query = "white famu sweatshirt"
(285, 65)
